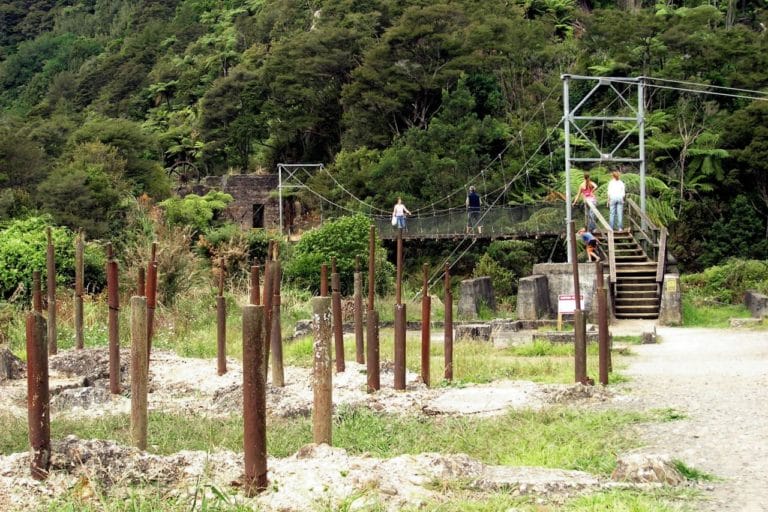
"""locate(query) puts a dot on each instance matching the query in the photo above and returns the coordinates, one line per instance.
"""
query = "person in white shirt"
(399, 213)
(616, 193)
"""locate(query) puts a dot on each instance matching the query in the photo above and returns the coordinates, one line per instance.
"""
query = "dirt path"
(719, 380)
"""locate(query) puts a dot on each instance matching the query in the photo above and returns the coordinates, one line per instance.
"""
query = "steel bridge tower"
(605, 126)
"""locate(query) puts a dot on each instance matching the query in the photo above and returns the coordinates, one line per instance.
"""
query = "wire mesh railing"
(497, 221)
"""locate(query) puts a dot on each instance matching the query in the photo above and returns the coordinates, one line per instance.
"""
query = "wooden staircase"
(637, 291)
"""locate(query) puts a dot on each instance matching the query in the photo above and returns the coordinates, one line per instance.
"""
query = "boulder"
(647, 468)
(11, 367)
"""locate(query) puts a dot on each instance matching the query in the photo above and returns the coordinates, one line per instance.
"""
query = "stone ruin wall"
(247, 190)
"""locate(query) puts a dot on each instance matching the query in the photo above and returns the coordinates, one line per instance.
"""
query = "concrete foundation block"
(671, 306)
(473, 331)
(474, 294)
(533, 298)
(756, 303)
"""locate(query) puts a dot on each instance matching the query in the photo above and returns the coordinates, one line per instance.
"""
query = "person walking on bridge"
(473, 211)
(587, 193)
(399, 212)
(616, 193)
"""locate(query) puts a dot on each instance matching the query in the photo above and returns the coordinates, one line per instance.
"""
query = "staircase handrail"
(606, 228)
(661, 258)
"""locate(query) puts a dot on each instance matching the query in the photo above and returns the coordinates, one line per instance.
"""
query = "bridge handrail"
(654, 235)
(606, 228)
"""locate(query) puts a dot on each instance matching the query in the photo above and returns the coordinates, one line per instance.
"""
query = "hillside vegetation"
(414, 98)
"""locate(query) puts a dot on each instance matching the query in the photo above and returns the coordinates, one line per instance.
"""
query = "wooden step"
(636, 315)
(636, 302)
(636, 294)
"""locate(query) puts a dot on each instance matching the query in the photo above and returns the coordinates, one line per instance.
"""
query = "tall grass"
(702, 313)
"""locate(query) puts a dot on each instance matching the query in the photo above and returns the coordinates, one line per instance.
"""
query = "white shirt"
(616, 189)
(399, 210)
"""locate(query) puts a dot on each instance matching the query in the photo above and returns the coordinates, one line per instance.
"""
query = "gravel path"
(718, 379)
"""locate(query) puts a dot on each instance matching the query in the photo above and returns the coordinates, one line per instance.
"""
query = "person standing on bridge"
(587, 192)
(473, 211)
(399, 212)
(616, 193)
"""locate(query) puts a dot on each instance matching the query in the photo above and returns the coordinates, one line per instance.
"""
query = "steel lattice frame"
(620, 152)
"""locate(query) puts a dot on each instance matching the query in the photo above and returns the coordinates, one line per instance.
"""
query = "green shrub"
(505, 262)
(23, 250)
(343, 239)
(728, 282)
(195, 211)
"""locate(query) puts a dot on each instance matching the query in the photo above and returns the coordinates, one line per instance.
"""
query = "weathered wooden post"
(254, 298)
(79, 289)
(50, 265)
(602, 325)
(399, 318)
(151, 297)
(278, 374)
(426, 306)
(322, 373)
(38, 403)
(358, 301)
(579, 327)
(221, 326)
(113, 319)
(338, 328)
(448, 331)
(254, 400)
(372, 349)
(139, 372)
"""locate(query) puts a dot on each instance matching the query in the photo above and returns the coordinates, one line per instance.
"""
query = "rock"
(648, 338)
(303, 328)
(84, 398)
(647, 468)
(745, 322)
(11, 367)
(91, 364)
(473, 331)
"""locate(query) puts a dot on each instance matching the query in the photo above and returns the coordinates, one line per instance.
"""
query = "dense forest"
(397, 97)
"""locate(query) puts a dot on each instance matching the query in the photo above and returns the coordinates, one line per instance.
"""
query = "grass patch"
(699, 313)
(556, 438)
(692, 473)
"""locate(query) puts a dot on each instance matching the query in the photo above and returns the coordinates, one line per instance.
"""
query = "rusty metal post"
(79, 290)
(400, 318)
(141, 285)
(221, 327)
(448, 330)
(321, 372)
(426, 306)
(37, 294)
(255, 300)
(324, 280)
(139, 372)
(38, 403)
(372, 350)
(338, 328)
(358, 310)
(113, 319)
(579, 325)
(267, 301)
(278, 374)
(50, 265)
(151, 297)
(254, 400)
(602, 325)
